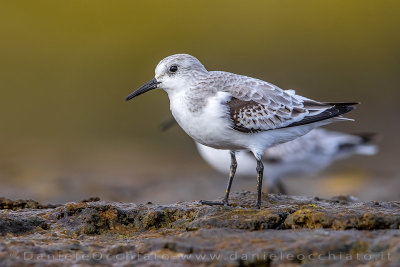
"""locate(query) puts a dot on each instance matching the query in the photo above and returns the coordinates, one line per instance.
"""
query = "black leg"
(281, 187)
(231, 175)
(229, 185)
(260, 172)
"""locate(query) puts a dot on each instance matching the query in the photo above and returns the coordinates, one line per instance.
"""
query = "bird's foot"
(214, 203)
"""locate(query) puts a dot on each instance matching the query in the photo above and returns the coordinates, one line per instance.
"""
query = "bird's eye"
(173, 68)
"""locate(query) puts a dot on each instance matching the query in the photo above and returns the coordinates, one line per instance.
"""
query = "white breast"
(211, 125)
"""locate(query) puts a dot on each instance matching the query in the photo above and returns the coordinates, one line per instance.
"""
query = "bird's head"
(173, 73)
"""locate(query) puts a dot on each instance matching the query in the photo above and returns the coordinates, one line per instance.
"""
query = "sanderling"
(306, 155)
(234, 112)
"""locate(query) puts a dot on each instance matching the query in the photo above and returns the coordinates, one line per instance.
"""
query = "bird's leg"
(277, 187)
(232, 172)
(281, 187)
(260, 171)
(231, 175)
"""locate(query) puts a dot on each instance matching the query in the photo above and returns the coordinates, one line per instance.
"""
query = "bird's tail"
(367, 138)
(363, 145)
(330, 112)
(339, 108)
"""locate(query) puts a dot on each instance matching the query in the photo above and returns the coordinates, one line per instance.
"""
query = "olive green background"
(66, 67)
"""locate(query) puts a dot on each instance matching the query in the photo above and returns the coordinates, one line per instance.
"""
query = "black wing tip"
(367, 137)
(340, 104)
(336, 110)
(343, 107)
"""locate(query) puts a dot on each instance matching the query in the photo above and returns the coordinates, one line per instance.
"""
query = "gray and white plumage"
(230, 111)
(235, 112)
(306, 155)
(260, 106)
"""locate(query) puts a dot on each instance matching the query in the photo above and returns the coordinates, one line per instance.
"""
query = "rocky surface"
(286, 230)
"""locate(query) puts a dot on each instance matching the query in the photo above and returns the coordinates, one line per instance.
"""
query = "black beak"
(152, 84)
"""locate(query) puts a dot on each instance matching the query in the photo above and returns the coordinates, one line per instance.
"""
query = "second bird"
(306, 155)
(228, 111)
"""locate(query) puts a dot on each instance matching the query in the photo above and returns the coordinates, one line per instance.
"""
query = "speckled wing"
(260, 106)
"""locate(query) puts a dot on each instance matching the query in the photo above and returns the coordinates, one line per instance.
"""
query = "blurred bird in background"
(306, 155)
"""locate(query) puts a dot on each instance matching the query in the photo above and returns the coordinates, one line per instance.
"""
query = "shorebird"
(234, 112)
(306, 155)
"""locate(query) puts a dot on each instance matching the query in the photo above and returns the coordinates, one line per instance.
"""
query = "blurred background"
(66, 67)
